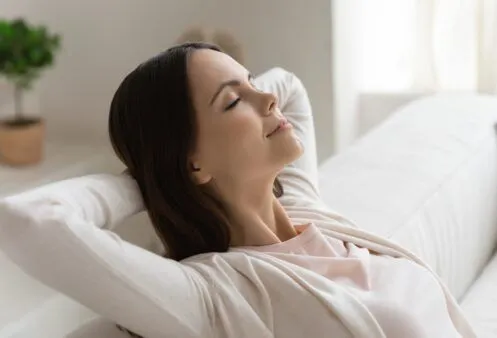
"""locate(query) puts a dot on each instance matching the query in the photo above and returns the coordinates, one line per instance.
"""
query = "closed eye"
(232, 104)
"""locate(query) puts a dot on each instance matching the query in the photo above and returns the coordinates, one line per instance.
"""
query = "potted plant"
(25, 50)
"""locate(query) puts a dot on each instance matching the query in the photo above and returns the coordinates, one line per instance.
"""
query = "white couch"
(426, 178)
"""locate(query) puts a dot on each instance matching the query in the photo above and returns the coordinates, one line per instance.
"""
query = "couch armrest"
(426, 178)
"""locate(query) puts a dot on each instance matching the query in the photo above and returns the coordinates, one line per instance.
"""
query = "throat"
(258, 230)
(281, 226)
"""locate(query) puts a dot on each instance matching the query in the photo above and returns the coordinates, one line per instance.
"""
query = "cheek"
(233, 138)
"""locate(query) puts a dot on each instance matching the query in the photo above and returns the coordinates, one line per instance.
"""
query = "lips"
(274, 131)
(278, 127)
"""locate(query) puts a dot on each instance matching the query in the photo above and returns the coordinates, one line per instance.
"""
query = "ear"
(200, 175)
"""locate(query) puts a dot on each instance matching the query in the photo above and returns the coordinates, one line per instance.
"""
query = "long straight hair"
(152, 128)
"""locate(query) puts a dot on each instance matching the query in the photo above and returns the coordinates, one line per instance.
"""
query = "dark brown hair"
(152, 128)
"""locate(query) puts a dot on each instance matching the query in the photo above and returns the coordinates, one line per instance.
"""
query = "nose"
(269, 102)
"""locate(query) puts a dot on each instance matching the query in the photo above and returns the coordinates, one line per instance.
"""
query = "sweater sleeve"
(299, 179)
(59, 234)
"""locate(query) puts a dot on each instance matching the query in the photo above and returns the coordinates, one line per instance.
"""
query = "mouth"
(282, 125)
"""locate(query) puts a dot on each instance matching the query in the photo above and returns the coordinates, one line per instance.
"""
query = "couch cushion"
(481, 300)
(426, 178)
(98, 328)
(56, 317)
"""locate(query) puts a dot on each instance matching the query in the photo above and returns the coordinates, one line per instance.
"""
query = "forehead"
(207, 69)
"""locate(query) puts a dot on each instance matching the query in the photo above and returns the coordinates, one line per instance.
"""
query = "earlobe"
(195, 169)
(201, 178)
(199, 175)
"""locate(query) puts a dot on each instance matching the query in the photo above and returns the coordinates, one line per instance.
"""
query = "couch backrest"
(426, 178)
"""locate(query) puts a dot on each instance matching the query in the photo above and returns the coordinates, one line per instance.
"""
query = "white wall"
(103, 40)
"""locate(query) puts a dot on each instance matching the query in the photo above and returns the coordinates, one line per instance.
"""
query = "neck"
(256, 216)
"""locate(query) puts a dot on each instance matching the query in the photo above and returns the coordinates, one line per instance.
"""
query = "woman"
(225, 166)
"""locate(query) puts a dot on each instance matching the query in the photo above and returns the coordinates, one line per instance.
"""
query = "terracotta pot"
(22, 142)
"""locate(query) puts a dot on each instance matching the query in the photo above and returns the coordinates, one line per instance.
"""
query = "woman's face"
(234, 123)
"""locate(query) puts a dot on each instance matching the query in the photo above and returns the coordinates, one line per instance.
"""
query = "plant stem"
(18, 103)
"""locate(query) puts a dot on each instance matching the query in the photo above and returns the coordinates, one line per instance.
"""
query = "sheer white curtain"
(388, 52)
(427, 45)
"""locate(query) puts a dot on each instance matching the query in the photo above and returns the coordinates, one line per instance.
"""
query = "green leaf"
(25, 50)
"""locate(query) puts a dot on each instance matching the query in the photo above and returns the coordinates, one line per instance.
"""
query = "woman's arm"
(59, 235)
(299, 179)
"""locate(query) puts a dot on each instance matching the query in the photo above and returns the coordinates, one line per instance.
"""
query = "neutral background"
(103, 40)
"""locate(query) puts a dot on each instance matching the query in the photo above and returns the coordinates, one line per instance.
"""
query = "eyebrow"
(229, 83)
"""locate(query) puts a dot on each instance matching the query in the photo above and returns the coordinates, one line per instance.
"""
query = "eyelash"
(232, 104)
(235, 102)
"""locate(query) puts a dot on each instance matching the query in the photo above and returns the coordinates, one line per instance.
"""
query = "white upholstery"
(52, 318)
(480, 303)
(98, 328)
(426, 178)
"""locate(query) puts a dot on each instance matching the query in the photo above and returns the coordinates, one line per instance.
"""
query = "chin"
(290, 150)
